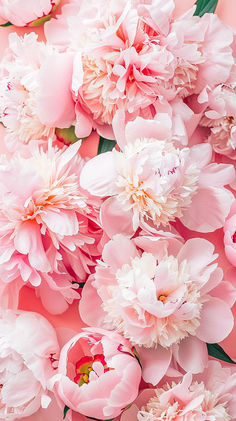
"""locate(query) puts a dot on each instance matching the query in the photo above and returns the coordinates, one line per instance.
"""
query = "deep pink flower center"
(234, 237)
(84, 367)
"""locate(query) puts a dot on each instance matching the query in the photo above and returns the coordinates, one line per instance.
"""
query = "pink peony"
(24, 95)
(230, 235)
(28, 354)
(99, 375)
(27, 12)
(49, 232)
(129, 54)
(209, 396)
(220, 117)
(166, 300)
(152, 181)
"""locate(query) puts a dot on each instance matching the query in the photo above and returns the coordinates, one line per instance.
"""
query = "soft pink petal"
(99, 175)
(217, 321)
(208, 210)
(116, 220)
(62, 223)
(28, 241)
(198, 252)
(217, 175)
(192, 355)
(119, 251)
(155, 363)
(56, 107)
(90, 305)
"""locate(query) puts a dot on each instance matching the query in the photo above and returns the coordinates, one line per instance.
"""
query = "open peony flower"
(27, 12)
(210, 396)
(165, 300)
(129, 54)
(28, 352)
(99, 374)
(152, 181)
(23, 94)
(49, 232)
(230, 235)
(220, 117)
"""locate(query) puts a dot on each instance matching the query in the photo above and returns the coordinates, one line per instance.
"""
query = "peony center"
(89, 368)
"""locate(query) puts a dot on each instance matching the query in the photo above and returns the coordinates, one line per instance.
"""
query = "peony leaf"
(66, 409)
(81, 284)
(105, 145)
(205, 6)
(215, 350)
(67, 136)
(6, 24)
(96, 419)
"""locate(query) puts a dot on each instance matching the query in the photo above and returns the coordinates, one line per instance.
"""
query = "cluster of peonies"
(124, 233)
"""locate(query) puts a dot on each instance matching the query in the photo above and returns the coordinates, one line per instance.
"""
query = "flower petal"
(116, 220)
(216, 322)
(99, 175)
(155, 363)
(191, 354)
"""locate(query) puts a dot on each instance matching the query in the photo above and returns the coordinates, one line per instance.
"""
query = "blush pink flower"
(220, 117)
(132, 53)
(165, 300)
(210, 396)
(99, 374)
(27, 12)
(24, 97)
(28, 354)
(152, 181)
(230, 235)
(49, 232)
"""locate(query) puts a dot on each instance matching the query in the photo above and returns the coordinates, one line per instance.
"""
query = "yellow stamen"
(162, 298)
(85, 378)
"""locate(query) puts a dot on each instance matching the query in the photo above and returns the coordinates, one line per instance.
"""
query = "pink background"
(226, 10)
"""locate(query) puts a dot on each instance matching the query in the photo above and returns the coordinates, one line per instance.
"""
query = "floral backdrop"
(117, 210)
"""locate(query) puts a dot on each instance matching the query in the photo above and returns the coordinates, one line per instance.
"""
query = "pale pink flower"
(152, 181)
(220, 117)
(129, 54)
(165, 300)
(230, 235)
(28, 357)
(49, 232)
(27, 12)
(210, 396)
(99, 374)
(23, 93)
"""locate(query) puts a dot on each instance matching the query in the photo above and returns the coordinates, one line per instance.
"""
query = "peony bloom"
(27, 12)
(99, 374)
(210, 396)
(230, 235)
(220, 117)
(28, 352)
(151, 181)
(129, 54)
(165, 300)
(24, 92)
(49, 233)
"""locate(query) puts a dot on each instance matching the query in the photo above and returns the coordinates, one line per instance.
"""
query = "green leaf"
(67, 136)
(105, 145)
(215, 350)
(96, 419)
(81, 284)
(6, 24)
(205, 6)
(66, 409)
